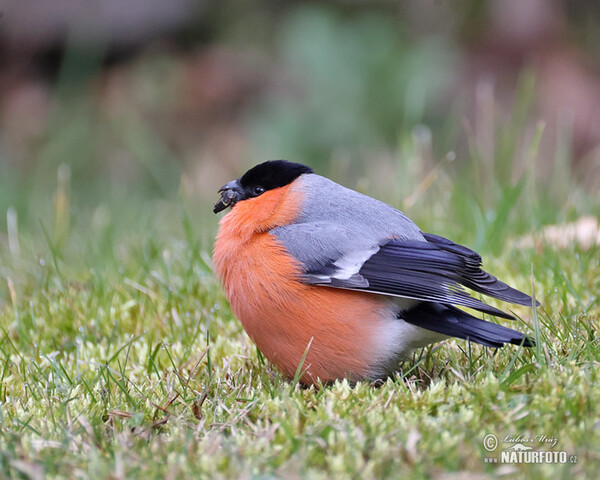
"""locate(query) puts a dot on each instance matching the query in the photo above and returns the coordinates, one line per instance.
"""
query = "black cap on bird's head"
(259, 179)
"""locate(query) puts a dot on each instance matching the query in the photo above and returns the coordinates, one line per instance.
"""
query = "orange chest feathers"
(253, 267)
(280, 313)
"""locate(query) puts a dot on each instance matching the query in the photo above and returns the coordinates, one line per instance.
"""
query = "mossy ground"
(119, 357)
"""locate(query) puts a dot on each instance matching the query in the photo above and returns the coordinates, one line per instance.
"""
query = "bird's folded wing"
(434, 269)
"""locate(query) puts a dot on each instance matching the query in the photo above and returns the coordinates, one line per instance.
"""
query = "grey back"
(337, 222)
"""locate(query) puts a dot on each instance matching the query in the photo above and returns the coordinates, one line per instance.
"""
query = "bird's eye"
(258, 190)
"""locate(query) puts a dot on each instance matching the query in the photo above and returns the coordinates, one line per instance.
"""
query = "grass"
(119, 357)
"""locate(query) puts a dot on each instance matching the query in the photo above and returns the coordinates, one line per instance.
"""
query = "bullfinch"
(341, 285)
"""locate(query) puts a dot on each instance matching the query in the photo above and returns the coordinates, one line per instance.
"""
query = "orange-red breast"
(312, 267)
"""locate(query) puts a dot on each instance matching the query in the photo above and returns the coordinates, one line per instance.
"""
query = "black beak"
(230, 194)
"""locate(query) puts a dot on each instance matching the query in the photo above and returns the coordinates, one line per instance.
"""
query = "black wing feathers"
(434, 270)
(412, 269)
(473, 277)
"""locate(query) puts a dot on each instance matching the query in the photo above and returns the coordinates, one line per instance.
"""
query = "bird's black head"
(259, 179)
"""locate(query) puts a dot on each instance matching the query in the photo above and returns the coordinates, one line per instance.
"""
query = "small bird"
(334, 284)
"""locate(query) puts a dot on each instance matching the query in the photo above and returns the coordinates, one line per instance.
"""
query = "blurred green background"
(481, 119)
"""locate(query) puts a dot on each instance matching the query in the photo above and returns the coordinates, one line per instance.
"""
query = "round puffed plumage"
(319, 272)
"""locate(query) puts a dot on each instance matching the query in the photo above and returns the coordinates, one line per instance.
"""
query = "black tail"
(452, 321)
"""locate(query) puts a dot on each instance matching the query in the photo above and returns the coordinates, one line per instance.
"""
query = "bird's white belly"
(398, 339)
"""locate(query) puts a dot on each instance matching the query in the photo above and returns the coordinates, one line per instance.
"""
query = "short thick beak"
(230, 194)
